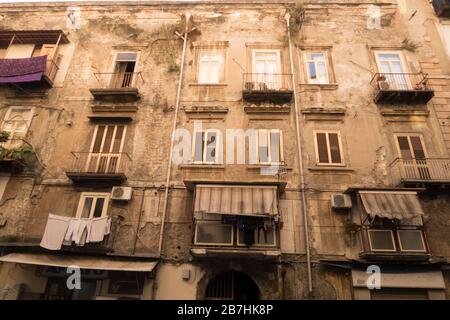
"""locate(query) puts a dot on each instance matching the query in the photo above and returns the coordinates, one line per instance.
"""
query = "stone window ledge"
(331, 168)
(202, 166)
(213, 85)
(317, 87)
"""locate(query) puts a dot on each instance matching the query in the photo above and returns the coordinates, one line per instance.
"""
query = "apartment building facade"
(211, 150)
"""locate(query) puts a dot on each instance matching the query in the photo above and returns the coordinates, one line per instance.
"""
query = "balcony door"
(266, 69)
(412, 151)
(106, 149)
(392, 67)
(124, 69)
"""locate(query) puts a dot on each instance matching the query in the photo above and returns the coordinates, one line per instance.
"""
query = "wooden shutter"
(322, 148)
(335, 151)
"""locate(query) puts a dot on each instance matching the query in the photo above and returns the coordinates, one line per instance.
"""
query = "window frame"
(409, 136)
(269, 147)
(94, 195)
(12, 133)
(213, 222)
(218, 148)
(381, 230)
(306, 66)
(112, 68)
(221, 75)
(316, 146)
(274, 245)
(278, 58)
(398, 231)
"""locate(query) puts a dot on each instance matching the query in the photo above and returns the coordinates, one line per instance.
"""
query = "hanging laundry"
(55, 231)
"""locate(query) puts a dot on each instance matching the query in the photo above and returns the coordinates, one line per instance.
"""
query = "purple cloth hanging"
(22, 70)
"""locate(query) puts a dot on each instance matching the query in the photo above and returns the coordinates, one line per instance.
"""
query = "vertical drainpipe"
(300, 157)
(172, 138)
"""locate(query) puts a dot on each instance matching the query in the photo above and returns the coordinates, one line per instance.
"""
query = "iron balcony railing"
(400, 82)
(100, 162)
(441, 7)
(267, 82)
(119, 80)
(421, 170)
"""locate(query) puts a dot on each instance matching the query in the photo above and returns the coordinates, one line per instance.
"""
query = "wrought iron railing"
(100, 162)
(118, 80)
(430, 169)
(266, 82)
(400, 82)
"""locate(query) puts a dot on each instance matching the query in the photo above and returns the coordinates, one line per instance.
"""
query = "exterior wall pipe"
(300, 157)
(172, 138)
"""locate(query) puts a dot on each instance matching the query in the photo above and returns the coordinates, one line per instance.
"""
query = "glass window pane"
(334, 148)
(211, 143)
(87, 207)
(418, 149)
(262, 237)
(381, 240)
(118, 138)
(98, 139)
(411, 240)
(99, 207)
(263, 146)
(312, 70)
(322, 73)
(198, 152)
(108, 139)
(405, 151)
(322, 148)
(210, 233)
(275, 156)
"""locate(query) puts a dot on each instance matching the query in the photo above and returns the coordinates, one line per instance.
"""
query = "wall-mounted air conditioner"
(341, 201)
(121, 193)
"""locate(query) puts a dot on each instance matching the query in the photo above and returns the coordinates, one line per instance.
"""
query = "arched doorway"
(232, 285)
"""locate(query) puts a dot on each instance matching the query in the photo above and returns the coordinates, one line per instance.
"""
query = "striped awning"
(236, 200)
(391, 205)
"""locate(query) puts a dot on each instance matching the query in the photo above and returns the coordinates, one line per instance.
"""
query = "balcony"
(442, 8)
(94, 168)
(265, 87)
(424, 171)
(35, 72)
(405, 88)
(117, 86)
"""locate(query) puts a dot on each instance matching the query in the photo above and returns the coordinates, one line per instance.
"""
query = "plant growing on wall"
(409, 45)
(297, 13)
(4, 136)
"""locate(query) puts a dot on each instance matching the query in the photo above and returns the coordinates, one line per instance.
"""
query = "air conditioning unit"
(341, 201)
(121, 193)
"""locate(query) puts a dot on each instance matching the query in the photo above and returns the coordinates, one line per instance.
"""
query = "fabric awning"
(22, 70)
(84, 262)
(236, 200)
(391, 205)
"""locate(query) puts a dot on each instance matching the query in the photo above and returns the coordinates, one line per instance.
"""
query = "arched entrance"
(232, 285)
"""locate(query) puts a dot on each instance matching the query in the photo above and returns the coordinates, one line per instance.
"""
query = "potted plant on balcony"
(4, 136)
(14, 159)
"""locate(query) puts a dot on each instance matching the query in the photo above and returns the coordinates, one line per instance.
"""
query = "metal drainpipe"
(169, 163)
(300, 157)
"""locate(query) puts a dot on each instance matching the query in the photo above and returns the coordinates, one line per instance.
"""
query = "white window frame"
(213, 222)
(402, 62)
(316, 146)
(416, 231)
(221, 65)
(278, 61)
(95, 195)
(275, 244)
(307, 61)
(109, 154)
(217, 159)
(13, 132)
(409, 136)
(381, 230)
(112, 68)
(269, 146)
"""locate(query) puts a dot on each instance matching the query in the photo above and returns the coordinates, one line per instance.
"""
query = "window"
(392, 67)
(328, 148)
(381, 240)
(126, 283)
(411, 241)
(261, 236)
(270, 146)
(206, 147)
(93, 205)
(316, 68)
(444, 32)
(411, 147)
(124, 70)
(106, 148)
(211, 64)
(213, 233)
(16, 123)
(266, 68)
